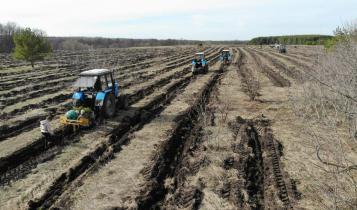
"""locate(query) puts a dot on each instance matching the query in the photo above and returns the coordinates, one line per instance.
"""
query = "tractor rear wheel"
(205, 69)
(123, 102)
(108, 108)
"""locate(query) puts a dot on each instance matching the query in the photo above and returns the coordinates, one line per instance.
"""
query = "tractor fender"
(79, 95)
(99, 98)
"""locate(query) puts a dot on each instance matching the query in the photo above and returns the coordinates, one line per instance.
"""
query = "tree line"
(8, 30)
(292, 40)
(84, 43)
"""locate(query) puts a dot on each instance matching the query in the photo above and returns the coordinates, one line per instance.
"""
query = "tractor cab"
(96, 95)
(199, 63)
(282, 48)
(226, 57)
(93, 86)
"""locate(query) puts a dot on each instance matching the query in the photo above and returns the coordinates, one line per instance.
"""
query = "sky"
(179, 19)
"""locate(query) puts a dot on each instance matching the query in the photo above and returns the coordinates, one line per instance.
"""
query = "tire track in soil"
(250, 84)
(273, 76)
(266, 182)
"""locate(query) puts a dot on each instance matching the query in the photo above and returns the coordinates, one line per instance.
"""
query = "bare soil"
(228, 139)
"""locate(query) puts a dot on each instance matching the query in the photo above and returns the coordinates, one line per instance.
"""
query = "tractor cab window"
(98, 84)
(199, 57)
(104, 79)
(85, 82)
(225, 53)
(110, 80)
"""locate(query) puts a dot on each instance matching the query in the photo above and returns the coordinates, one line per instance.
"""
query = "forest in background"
(291, 40)
(8, 30)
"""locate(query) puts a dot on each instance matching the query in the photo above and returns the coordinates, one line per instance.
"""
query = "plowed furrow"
(17, 157)
(47, 200)
(250, 84)
(274, 77)
(290, 71)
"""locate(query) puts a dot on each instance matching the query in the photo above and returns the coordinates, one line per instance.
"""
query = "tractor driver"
(198, 60)
(98, 85)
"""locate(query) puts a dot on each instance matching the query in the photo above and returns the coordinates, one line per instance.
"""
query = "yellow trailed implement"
(81, 121)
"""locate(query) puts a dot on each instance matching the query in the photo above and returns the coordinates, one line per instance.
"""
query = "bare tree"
(329, 100)
(7, 32)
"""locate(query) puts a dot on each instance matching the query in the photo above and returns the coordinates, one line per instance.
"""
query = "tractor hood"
(85, 81)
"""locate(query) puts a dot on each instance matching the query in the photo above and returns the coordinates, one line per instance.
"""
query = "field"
(228, 139)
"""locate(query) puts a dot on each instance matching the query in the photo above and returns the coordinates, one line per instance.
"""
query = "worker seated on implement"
(96, 93)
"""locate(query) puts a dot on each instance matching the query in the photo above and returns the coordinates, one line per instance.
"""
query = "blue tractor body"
(199, 64)
(226, 57)
(98, 91)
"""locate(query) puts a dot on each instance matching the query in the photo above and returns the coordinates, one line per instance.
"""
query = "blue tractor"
(226, 57)
(199, 64)
(96, 95)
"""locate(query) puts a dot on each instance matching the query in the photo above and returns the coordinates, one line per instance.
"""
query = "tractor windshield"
(85, 82)
(199, 56)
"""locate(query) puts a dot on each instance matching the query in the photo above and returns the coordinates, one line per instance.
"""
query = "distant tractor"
(97, 96)
(226, 57)
(199, 64)
(281, 48)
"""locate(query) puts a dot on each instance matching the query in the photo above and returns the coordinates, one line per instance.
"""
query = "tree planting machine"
(226, 57)
(96, 97)
(199, 64)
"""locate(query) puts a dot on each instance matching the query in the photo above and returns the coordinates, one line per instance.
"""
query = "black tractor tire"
(205, 70)
(108, 108)
(123, 102)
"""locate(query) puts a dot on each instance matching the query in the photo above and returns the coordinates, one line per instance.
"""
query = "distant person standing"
(46, 130)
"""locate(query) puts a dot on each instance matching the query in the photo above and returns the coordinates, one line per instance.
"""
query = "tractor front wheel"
(108, 108)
